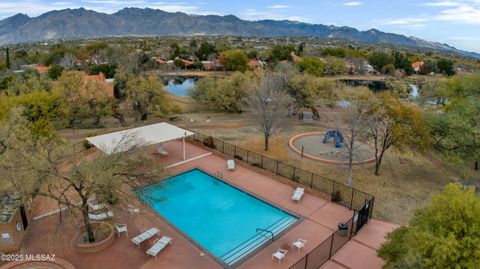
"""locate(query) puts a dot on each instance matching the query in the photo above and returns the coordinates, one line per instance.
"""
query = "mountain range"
(82, 23)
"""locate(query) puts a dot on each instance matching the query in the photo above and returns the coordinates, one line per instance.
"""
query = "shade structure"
(141, 136)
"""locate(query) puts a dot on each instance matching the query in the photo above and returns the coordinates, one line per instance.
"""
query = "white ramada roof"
(141, 136)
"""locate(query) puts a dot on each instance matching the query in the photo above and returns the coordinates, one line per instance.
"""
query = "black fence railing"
(330, 246)
(360, 202)
(339, 192)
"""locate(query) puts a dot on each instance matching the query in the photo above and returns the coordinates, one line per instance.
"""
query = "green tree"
(444, 234)
(146, 96)
(280, 52)
(460, 141)
(39, 108)
(206, 49)
(398, 125)
(379, 59)
(75, 101)
(30, 166)
(428, 67)
(234, 60)
(222, 93)
(55, 71)
(310, 92)
(312, 66)
(402, 62)
(108, 70)
(445, 66)
(336, 52)
(335, 66)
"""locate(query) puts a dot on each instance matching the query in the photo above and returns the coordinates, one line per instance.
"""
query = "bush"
(336, 196)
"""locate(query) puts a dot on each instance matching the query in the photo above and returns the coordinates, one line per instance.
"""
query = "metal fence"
(339, 192)
(325, 251)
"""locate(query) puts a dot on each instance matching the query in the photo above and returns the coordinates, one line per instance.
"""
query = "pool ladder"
(219, 174)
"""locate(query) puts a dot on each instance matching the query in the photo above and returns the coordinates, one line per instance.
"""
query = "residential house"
(417, 66)
(41, 69)
(106, 84)
(255, 63)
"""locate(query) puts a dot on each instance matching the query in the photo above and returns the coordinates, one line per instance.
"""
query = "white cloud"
(353, 4)
(465, 38)
(278, 6)
(255, 15)
(404, 21)
(467, 13)
(441, 4)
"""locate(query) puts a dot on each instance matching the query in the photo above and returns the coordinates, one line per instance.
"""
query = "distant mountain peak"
(81, 23)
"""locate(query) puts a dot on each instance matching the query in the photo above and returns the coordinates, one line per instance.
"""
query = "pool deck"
(319, 220)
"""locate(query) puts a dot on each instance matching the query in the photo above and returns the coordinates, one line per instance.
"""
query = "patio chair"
(299, 244)
(100, 216)
(231, 164)
(279, 254)
(121, 228)
(161, 151)
(145, 235)
(95, 206)
(133, 210)
(159, 245)
(298, 194)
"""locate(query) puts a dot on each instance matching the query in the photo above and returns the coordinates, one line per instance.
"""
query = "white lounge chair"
(95, 206)
(161, 151)
(231, 164)
(299, 244)
(121, 228)
(100, 216)
(279, 254)
(298, 194)
(133, 210)
(159, 245)
(145, 235)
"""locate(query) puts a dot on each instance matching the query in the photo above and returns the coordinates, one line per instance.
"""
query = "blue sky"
(456, 22)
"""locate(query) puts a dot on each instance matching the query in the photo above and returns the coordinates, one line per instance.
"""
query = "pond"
(179, 85)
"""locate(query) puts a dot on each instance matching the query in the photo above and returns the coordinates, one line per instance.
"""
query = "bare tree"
(355, 122)
(34, 166)
(268, 101)
(68, 61)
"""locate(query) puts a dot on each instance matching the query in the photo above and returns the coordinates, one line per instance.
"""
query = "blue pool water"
(218, 216)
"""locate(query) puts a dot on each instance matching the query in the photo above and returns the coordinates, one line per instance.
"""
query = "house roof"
(417, 65)
(41, 69)
(141, 136)
(296, 58)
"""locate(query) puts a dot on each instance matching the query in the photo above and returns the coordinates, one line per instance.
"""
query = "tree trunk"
(120, 118)
(72, 125)
(476, 165)
(97, 121)
(378, 163)
(86, 222)
(266, 142)
(143, 116)
(350, 169)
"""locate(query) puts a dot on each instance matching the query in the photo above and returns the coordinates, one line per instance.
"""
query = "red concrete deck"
(319, 219)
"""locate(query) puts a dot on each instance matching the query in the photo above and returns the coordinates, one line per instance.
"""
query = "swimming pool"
(223, 219)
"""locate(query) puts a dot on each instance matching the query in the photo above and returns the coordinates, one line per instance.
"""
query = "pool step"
(256, 241)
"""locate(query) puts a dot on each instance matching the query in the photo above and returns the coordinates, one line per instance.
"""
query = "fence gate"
(362, 216)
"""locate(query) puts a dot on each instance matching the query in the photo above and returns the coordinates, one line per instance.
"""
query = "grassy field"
(406, 181)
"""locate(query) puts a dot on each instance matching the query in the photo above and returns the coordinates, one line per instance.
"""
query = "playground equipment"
(336, 135)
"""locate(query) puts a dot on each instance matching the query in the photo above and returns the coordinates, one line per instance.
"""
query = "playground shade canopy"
(141, 136)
